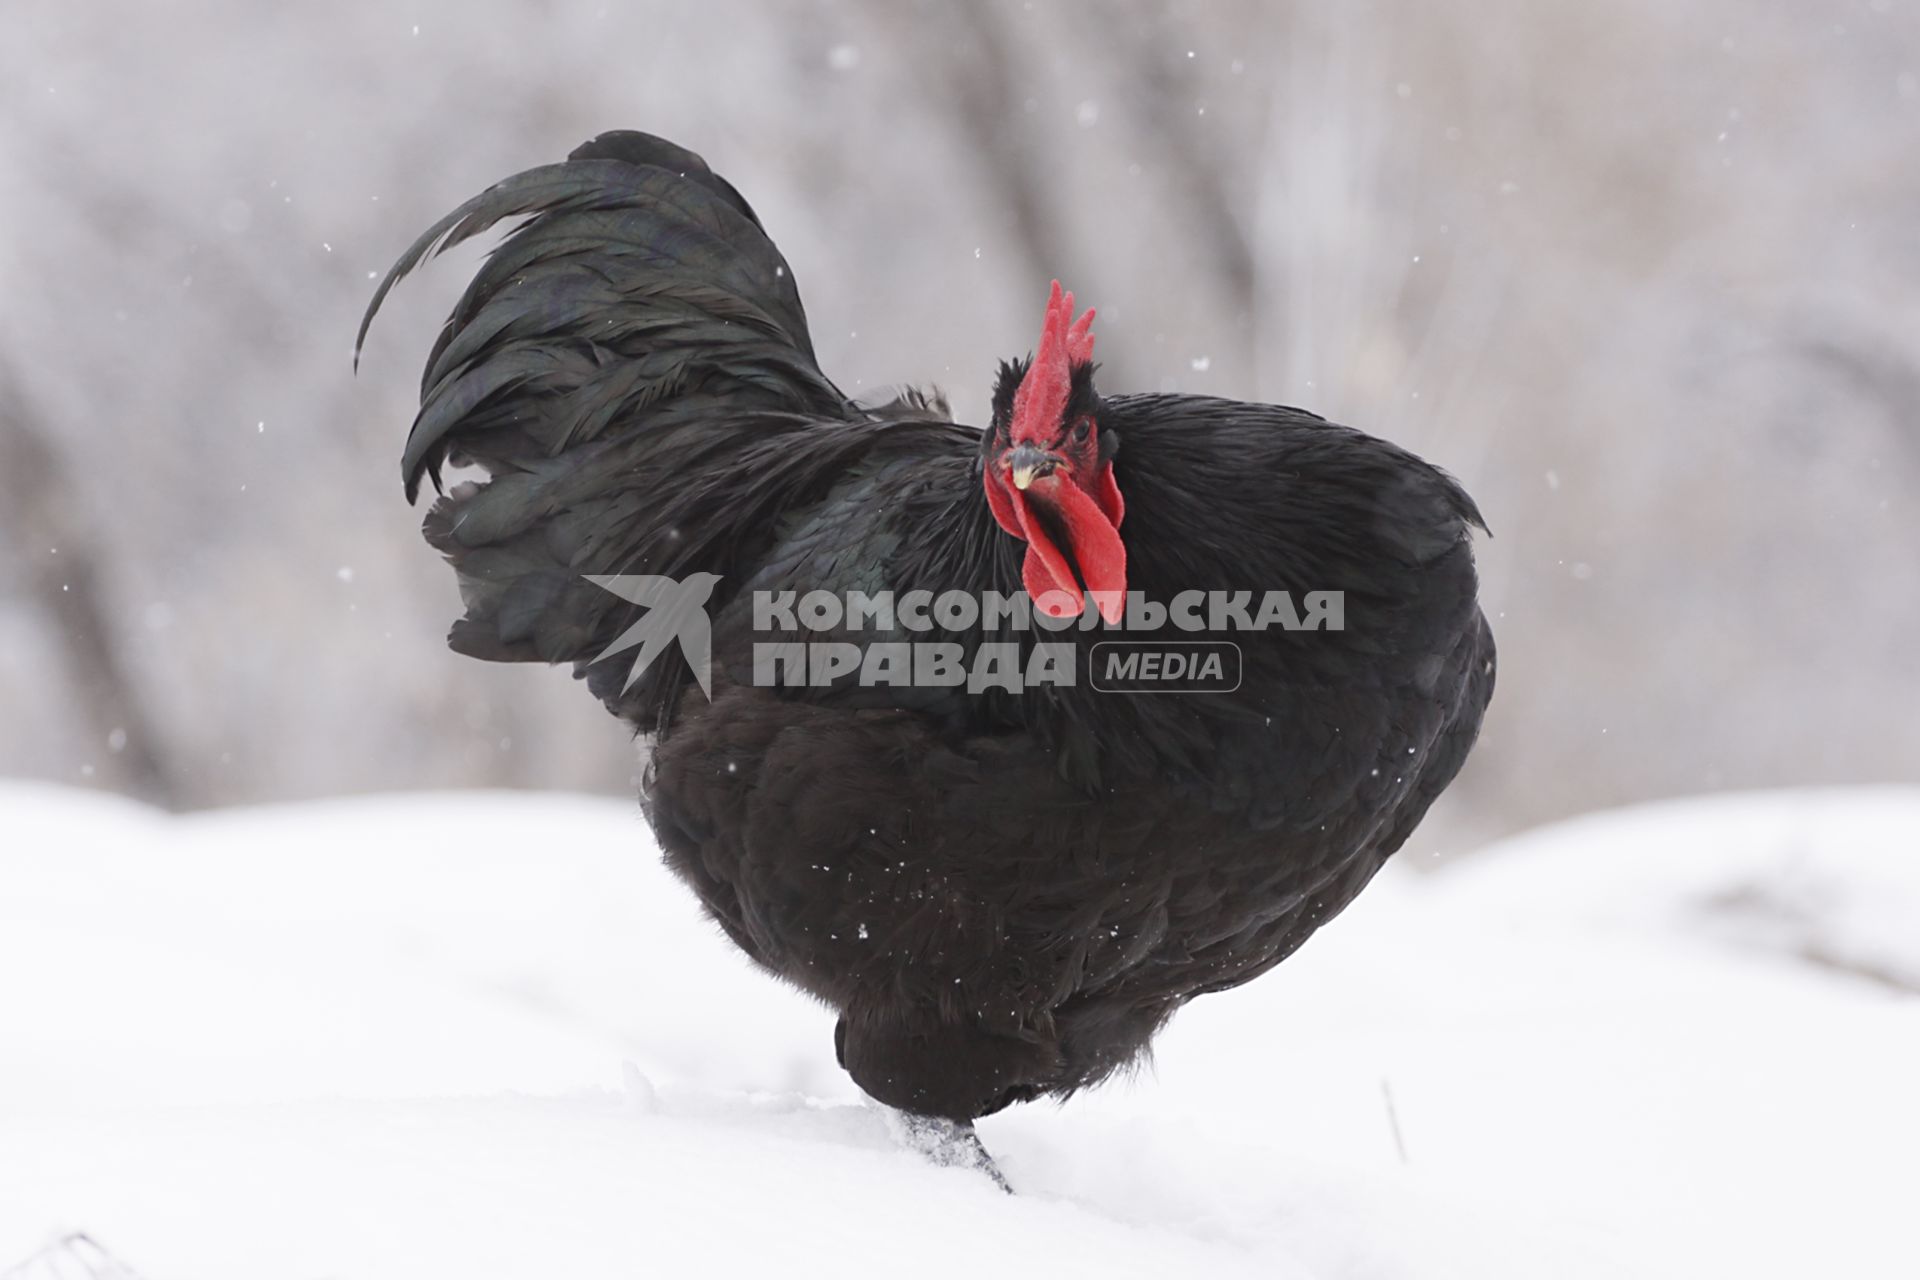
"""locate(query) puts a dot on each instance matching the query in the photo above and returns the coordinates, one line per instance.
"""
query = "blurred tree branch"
(38, 510)
(1162, 103)
(964, 47)
(1879, 373)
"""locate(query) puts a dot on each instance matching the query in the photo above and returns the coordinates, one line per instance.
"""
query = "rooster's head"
(1049, 469)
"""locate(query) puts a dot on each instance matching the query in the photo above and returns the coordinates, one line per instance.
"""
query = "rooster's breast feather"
(1360, 727)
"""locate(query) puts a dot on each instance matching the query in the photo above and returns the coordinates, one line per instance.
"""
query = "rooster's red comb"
(1064, 342)
(1063, 338)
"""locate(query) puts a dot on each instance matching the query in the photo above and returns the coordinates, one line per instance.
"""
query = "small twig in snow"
(1393, 1119)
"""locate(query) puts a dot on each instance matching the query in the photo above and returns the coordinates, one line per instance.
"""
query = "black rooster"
(1004, 891)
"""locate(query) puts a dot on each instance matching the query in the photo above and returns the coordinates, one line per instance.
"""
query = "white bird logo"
(676, 611)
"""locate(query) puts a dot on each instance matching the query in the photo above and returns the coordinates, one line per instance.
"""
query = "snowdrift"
(487, 1035)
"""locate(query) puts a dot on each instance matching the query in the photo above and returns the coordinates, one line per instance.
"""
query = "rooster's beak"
(1025, 463)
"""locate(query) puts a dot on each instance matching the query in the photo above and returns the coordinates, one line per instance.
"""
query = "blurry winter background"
(1645, 276)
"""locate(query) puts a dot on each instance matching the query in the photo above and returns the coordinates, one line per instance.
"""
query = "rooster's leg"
(951, 1144)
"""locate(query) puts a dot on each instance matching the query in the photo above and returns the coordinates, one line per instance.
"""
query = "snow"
(487, 1035)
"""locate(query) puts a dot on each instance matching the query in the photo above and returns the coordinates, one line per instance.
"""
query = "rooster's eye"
(1081, 427)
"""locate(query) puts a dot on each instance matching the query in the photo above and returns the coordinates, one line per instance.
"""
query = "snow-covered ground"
(486, 1035)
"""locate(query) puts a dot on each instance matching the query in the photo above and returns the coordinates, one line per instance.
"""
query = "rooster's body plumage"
(1003, 893)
